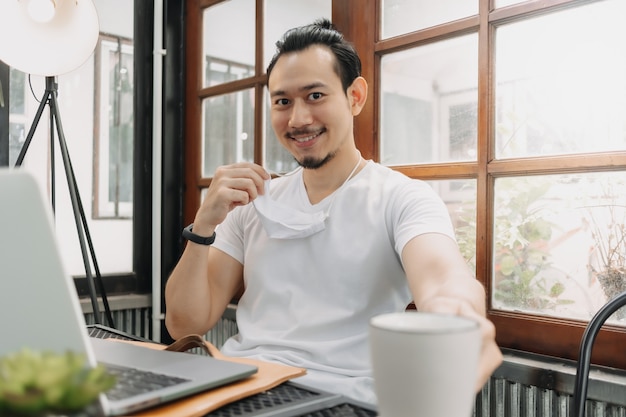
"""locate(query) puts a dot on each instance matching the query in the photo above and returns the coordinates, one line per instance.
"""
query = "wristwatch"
(201, 240)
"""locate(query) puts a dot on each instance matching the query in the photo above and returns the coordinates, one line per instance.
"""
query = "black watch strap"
(201, 240)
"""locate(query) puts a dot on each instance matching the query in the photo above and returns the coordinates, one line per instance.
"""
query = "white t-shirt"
(307, 302)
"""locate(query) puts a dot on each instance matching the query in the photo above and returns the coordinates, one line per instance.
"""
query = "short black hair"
(321, 32)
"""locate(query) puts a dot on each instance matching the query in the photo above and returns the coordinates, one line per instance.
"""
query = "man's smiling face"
(310, 112)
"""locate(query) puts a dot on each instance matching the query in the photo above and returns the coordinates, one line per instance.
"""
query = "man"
(322, 250)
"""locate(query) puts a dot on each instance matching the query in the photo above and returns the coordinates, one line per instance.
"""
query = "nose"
(300, 115)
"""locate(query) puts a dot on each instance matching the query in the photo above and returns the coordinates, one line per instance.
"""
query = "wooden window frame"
(358, 19)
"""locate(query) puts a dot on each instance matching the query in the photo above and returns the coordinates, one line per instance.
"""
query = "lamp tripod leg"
(76, 209)
(82, 229)
(45, 100)
(53, 179)
(85, 226)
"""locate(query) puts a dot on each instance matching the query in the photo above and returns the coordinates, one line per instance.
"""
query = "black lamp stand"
(84, 237)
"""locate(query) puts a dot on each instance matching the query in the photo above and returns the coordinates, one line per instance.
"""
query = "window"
(114, 121)
(515, 112)
(429, 103)
(400, 16)
(229, 118)
(17, 113)
(541, 146)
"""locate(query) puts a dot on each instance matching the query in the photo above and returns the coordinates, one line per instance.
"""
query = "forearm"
(462, 287)
(436, 271)
(188, 295)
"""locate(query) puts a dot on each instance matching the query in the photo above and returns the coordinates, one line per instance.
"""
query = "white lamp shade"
(50, 48)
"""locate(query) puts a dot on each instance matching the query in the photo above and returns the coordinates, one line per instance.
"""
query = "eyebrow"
(307, 87)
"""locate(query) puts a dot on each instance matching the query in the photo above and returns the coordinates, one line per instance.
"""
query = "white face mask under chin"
(283, 222)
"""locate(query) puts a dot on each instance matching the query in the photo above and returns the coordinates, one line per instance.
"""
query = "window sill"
(118, 302)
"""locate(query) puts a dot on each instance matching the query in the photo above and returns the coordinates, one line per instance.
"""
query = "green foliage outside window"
(521, 254)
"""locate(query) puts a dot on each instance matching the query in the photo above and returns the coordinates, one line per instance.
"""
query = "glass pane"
(227, 130)
(282, 15)
(560, 243)
(429, 102)
(403, 16)
(460, 198)
(114, 138)
(228, 38)
(17, 91)
(18, 120)
(560, 89)
(220, 71)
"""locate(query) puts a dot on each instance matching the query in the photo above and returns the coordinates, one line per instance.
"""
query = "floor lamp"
(50, 38)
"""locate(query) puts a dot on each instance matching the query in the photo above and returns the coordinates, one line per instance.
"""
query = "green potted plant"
(34, 383)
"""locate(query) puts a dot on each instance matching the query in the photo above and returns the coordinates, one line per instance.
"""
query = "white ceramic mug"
(424, 364)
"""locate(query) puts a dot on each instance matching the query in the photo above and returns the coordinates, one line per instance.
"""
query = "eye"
(315, 96)
(281, 102)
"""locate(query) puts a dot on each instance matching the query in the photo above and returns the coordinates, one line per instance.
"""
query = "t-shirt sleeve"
(417, 209)
(229, 236)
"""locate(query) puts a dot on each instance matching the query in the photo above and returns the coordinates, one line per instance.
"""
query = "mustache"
(304, 132)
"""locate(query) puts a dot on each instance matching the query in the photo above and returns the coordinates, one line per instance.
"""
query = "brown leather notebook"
(268, 376)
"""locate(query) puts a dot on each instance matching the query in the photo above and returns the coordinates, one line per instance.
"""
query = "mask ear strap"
(327, 213)
(287, 174)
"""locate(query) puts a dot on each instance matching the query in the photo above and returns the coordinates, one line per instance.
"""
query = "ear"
(357, 95)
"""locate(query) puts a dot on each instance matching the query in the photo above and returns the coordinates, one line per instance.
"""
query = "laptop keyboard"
(343, 410)
(102, 332)
(285, 396)
(131, 382)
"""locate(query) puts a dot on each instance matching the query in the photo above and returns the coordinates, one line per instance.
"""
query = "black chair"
(586, 346)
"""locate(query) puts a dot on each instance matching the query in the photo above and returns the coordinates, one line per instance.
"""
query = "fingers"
(232, 185)
(490, 354)
(245, 176)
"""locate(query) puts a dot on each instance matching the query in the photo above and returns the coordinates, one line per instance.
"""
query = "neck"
(322, 182)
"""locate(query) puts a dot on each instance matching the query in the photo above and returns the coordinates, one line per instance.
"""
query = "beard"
(310, 162)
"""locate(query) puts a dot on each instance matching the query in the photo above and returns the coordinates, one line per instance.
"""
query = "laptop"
(39, 307)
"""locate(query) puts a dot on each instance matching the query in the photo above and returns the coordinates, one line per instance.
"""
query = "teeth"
(305, 139)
